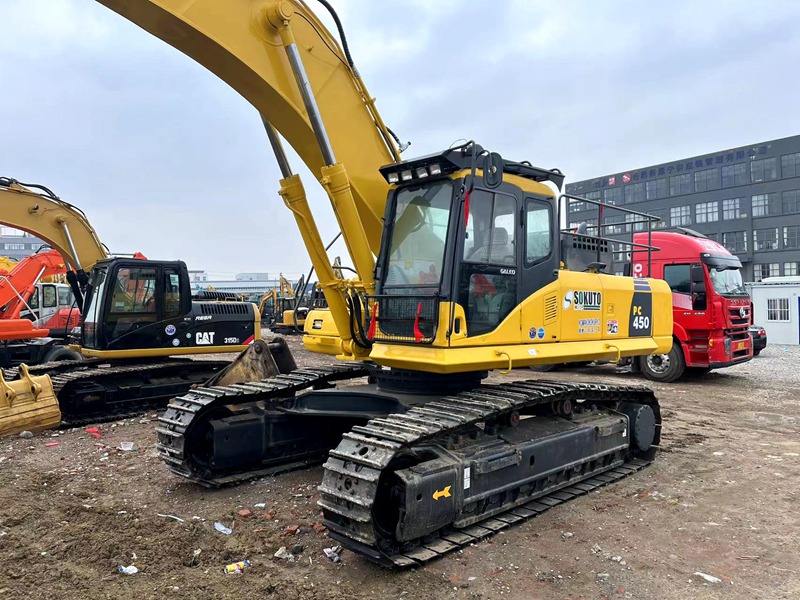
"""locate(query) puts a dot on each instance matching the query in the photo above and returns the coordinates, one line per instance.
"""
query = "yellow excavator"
(460, 268)
(138, 323)
(278, 307)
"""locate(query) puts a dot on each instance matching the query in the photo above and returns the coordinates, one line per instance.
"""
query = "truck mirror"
(698, 274)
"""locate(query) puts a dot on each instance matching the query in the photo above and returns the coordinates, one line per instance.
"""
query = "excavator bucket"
(259, 361)
(28, 403)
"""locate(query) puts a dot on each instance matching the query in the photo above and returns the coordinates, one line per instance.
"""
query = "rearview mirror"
(698, 274)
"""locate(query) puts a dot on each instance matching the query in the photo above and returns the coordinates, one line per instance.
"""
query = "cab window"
(490, 229)
(679, 278)
(172, 294)
(65, 297)
(134, 291)
(49, 299)
(33, 301)
(538, 231)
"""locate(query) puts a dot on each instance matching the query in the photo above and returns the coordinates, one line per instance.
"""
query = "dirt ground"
(721, 499)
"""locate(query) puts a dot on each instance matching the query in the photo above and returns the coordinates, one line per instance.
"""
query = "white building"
(776, 307)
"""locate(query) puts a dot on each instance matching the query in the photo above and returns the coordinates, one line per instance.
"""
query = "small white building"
(776, 307)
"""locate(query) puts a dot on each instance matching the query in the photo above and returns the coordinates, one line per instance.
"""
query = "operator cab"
(132, 303)
(464, 226)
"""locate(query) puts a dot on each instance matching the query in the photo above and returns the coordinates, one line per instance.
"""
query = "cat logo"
(204, 338)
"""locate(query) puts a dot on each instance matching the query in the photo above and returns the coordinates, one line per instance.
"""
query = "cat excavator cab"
(458, 271)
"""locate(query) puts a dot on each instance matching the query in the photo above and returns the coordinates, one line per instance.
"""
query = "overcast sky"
(166, 159)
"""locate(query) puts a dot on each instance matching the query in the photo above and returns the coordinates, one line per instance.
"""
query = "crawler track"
(177, 445)
(351, 488)
(93, 391)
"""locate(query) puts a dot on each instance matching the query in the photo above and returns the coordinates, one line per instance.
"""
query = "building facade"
(18, 244)
(746, 198)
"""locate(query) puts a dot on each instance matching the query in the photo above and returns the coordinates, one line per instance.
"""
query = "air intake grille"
(550, 309)
(225, 308)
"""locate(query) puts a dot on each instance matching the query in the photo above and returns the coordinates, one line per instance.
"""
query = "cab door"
(132, 319)
(487, 281)
(689, 298)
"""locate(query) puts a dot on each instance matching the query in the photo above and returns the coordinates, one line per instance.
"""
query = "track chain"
(187, 410)
(350, 481)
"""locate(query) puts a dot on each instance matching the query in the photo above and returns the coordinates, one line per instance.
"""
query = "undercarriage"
(412, 475)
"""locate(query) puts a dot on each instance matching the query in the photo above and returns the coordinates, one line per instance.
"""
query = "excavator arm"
(16, 287)
(280, 57)
(62, 226)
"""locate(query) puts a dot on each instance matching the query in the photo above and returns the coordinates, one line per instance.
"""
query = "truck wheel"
(60, 353)
(756, 352)
(664, 367)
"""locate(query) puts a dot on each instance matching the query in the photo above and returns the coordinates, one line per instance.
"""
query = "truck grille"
(737, 320)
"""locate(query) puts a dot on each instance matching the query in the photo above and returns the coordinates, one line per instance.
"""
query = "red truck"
(711, 309)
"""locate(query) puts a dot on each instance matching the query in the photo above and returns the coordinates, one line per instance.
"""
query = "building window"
(730, 209)
(778, 309)
(707, 212)
(613, 195)
(705, 180)
(591, 226)
(765, 205)
(680, 215)
(764, 270)
(613, 225)
(595, 195)
(713, 236)
(680, 184)
(620, 252)
(662, 215)
(734, 175)
(735, 241)
(656, 188)
(790, 268)
(576, 206)
(791, 236)
(764, 169)
(765, 239)
(634, 193)
(791, 202)
(15, 246)
(790, 165)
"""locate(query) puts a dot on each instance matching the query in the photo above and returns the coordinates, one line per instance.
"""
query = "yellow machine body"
(250, 45)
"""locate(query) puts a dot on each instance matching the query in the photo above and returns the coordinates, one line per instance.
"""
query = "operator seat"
(499, 249)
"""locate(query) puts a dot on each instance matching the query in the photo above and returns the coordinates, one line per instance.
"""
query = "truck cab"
(52, 306)
(711, 309)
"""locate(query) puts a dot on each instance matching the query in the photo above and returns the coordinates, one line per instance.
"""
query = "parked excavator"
(273, 305)
(138, 322)
(460, 268)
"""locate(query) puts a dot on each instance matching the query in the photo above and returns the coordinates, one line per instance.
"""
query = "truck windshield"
(419, 231)
(727, 282)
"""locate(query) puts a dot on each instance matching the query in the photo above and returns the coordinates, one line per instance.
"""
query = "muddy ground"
(721, 500)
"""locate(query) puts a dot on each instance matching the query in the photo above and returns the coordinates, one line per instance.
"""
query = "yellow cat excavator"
(460, 268)
(138, 323)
